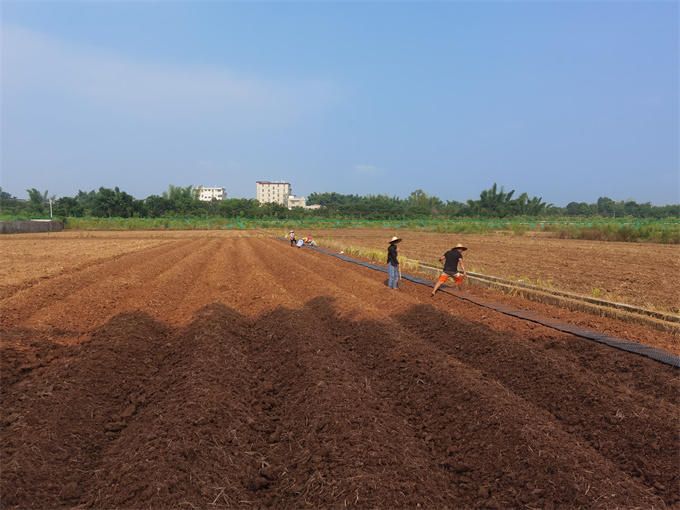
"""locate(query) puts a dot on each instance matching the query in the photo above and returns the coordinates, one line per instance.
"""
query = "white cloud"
(34, 63)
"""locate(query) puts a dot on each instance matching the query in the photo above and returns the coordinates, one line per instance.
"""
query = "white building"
(296, 202)
(277, 192)
(207, 194)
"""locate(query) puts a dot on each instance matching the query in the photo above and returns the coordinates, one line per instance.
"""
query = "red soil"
(210, 372)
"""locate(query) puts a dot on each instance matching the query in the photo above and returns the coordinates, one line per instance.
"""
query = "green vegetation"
(492, 204)
(632, 231)
(494, 211)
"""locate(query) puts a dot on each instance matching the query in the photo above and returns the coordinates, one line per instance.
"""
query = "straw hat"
(395, 239)
(459, 246)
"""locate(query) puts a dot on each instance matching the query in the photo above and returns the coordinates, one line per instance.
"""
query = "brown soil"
(213, 371)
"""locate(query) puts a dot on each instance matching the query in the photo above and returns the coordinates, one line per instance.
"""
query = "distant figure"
(309, 242)
(393, 268)
(291, 235)
(452, 258)
(301, 242)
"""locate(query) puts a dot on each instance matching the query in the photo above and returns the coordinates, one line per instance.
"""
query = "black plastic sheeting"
(612, 341)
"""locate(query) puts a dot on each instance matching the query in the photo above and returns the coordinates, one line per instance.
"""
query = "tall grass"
(630, 233)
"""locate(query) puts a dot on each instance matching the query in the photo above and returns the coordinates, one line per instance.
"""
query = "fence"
(29, 226)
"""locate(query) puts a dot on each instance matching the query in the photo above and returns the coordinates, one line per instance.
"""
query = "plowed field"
(210, 371)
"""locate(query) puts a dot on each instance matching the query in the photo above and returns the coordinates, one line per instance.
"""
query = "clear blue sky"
(568, 101)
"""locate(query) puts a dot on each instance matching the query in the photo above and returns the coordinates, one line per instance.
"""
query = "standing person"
(452, 258)
(393, 264)
(291, 236)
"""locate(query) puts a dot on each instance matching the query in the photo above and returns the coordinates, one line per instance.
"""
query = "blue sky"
(568, 101)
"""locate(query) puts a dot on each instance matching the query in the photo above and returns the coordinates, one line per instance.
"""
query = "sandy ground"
(210, 370)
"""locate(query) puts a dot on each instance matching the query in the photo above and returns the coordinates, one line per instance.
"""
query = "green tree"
(492, 203)
(68, 207)
(419, 198)
(34, 196)
(605, 206)
(113, 203)
(157, 207)
(38, 202)
(573, 209)
(178, 192)
(238, 208)
(10, 206)
(531, 206)
(85, 200)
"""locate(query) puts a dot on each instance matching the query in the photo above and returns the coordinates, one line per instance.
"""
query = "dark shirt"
(392, 255)
(452, 258)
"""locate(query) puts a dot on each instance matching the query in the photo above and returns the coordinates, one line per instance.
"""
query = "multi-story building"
(207, 194)
(277, 191)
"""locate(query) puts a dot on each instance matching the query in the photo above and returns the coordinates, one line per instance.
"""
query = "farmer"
(452, 258)
(291, 236)
(309, 242)
(393, 268)
(300, 242)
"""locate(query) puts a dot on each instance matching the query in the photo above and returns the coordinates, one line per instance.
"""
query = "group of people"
(451, 259)
(300, 242)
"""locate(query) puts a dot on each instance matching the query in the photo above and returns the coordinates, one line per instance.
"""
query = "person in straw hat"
(452, 257)
(393, 268)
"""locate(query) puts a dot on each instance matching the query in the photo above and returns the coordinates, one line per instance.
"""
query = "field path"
(215, 372)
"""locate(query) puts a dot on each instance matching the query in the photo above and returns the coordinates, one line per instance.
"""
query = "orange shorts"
(457, 277)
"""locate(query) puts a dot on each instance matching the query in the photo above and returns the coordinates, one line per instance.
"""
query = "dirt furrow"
(232, 373)
(360, 291)
(501, 450)
(563, 354)
(584, 386)
(192, 441)
(58, 256)
(187, 284)
(78, 301)
(58, 419)
(329, 447)
(255, 279)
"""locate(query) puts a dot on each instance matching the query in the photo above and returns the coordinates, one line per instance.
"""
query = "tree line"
(493, 203)
(183, 202)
